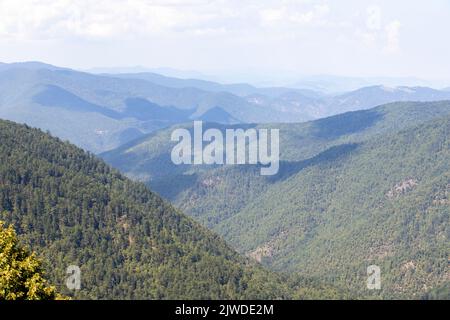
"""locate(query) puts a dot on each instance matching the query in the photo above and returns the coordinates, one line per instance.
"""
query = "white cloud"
(46, 19)
(393, 37)
(377, 35)
(369, 39)
(316, 16)
(295, 14)
(291, 35)
(115, 19)
(269, 16)
(373, 21)
(370, 35)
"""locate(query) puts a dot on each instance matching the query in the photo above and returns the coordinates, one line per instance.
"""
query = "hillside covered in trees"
(21, 274)
(73, 209)
(361, 188)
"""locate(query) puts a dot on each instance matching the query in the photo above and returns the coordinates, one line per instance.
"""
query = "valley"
(307, 216)
(210, 158)
(357, 183)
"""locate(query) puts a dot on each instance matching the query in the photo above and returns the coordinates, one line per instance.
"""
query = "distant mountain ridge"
(31, 65)
(102, 112)
(89, 105)
(333, 84)
(240, 89)
(368, 97)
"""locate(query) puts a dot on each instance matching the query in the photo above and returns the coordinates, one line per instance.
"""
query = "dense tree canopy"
(364, 187)
(21, 273)
(73, 209)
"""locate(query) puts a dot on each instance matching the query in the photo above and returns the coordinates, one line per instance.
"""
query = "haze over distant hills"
(339, 84)
(240, 89)
(31, 65)
(325, 84)
(169, 72)
(99, 113)
(102, 112)
(369, 97)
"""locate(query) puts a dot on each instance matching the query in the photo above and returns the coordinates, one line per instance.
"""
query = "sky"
(291, 38)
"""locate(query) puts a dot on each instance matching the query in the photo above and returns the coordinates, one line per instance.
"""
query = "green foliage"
(21, 274)
(384, 203)
(73, 209)
(329, 213)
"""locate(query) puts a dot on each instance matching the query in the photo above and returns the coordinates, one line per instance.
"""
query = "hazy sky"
(341, 37)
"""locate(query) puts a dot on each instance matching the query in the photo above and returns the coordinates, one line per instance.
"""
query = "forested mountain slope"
(148, 158)
(353, 189)
(384, 202)
(73, 209)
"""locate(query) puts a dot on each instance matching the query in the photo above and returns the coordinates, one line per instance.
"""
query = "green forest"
(73, 209)
(367, 188)
(361, 188)
(21, 273)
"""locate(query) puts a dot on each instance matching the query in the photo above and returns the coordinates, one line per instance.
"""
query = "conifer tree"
(21, 274)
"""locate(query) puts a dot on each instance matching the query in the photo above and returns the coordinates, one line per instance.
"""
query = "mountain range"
(364, 180)
(333, 84)
(360, 188)
(239, 89)
(102, 112)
